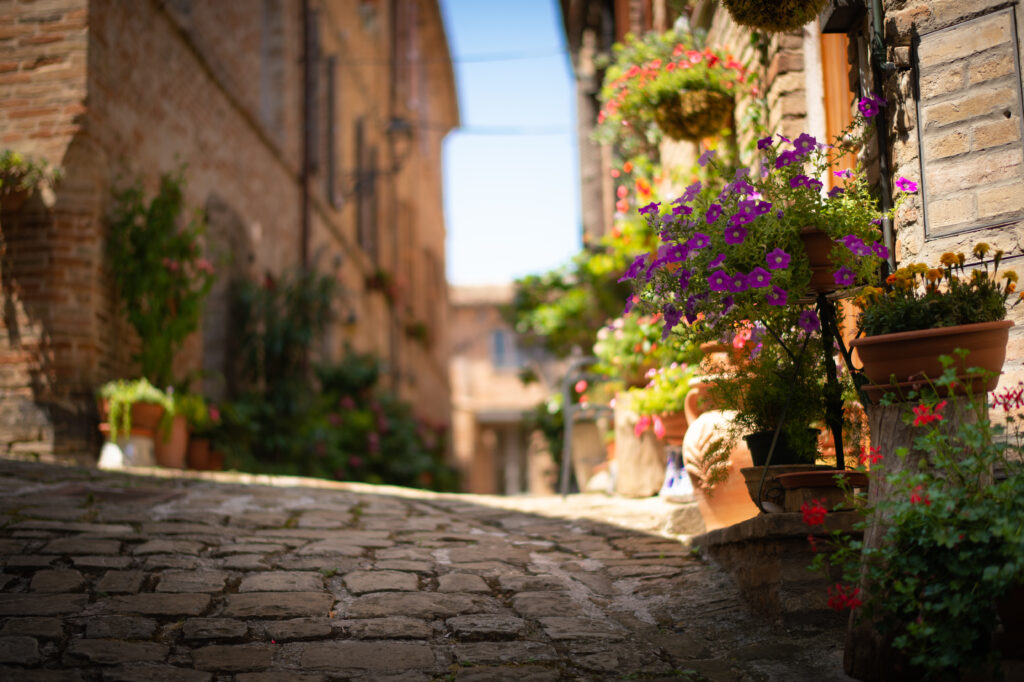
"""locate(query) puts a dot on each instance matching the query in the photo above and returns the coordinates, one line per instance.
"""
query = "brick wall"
(216, 86)
(958, 65)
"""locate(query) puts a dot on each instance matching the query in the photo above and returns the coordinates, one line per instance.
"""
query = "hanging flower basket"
(774, 16)
(694, 114)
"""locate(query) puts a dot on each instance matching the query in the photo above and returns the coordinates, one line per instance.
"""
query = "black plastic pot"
(786, 451)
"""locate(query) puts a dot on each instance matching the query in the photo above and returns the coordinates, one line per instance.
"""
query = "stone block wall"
(955, 108)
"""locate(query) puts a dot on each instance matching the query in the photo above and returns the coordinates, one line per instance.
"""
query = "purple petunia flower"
(880, 250)
(851, 241)
(677, 253)
(698, 241)
(635, 267)
(738, 283)
(684, 278)
(846, 173)
(777, 259)
(798, 181)
(844, 276)
(650, 208)
(727, 303)
(706, 157)
(690, 193)
(777, 296)
(804, 143)
(741, 173)
(718, 281)
(630, 300)
(809, 321)
(764, 142)
(870, 105)
(835, 191)
(672, 317)
(714, 212)
(814, 184)
(716, 262)
(758, 278)
(735, 234)
(904, 185)
(784, 159)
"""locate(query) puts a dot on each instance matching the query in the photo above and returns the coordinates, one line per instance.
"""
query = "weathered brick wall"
(958, 64)
(46, 250)
(216, 86)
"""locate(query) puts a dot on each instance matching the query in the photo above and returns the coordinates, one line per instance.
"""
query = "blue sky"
(511, 175)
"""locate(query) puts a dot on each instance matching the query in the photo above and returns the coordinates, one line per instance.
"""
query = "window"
(504, 352)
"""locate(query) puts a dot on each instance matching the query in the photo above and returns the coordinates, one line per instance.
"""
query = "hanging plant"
(661, 85)
(774, 16)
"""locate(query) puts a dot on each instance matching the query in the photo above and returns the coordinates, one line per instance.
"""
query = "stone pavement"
(181, 577)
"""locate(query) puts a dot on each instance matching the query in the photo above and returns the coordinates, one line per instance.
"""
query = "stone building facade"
(950, 72)
(495, 448)
(311, 133)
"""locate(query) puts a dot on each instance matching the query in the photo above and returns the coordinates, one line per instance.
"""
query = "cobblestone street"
(123, 577)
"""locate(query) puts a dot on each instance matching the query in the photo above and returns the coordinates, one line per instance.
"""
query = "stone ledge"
(776, 526)
(769, 557)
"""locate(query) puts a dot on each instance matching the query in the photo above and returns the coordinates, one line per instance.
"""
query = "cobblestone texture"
(219, 581)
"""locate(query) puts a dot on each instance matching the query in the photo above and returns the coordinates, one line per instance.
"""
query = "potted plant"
(630, 346)
(774, 16)
(948, 552)
(923, 313)
(132, 403)
(660, 403)
(159, 273)
(204, 422)
(19, 176)
(733, 251)
(666, 85)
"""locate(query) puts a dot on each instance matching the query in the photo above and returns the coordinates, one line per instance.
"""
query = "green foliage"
(22, 173)
(159, 273)
(917, 297)
(122, 394)
(953, 542)
(631, 346)
(330, 420)
(647, 78)
(665, 392)
(565, 307)
(767, 382)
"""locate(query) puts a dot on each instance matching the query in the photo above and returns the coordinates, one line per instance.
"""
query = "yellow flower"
(1010, 275)
(980, 249)
(960, 259)
(918, 268)
(1011, 287)
(891, 279)
(948, 259)
(934, 275)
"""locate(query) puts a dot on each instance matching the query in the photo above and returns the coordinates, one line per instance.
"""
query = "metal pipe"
(879, 66)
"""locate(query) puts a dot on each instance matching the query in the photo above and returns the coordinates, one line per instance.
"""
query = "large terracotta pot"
(905, 359)
(172, 445)
(727, 502)
(818, 246)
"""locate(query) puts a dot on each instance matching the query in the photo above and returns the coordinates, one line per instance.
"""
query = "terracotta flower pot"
(819, 485)
(202, 458)
(818, 247)
(904, 360)
(773, 495)
(172, 446)
(147, 415)
(675, 424)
